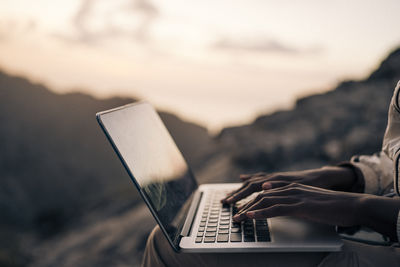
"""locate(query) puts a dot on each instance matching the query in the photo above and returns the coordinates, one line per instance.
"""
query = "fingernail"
(250, 214)
(266, 186)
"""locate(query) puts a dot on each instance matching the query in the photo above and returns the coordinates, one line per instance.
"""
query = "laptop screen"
(153, 161)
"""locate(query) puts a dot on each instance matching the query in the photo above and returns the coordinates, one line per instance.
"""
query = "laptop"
(191, 216)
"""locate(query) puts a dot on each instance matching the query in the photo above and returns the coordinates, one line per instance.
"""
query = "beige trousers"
(159, 253)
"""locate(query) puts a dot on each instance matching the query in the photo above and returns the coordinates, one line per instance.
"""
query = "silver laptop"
(192, 216)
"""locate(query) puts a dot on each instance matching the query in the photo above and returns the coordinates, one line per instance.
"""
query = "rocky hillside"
(56, 164)
(321, 129)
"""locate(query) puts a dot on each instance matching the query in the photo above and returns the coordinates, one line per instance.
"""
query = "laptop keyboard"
(217, 226)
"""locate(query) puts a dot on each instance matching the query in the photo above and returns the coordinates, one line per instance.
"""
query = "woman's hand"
(308, 202)
(334, 178)
(325, 206)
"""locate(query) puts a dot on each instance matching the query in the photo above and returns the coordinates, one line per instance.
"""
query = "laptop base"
(287, 234)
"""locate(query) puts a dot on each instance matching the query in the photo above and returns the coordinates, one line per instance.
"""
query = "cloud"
(81, 17)
(142, 12)
(262, 46)
(150, 13)
(10, 28)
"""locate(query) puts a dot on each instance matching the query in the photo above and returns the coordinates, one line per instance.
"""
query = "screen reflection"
(157, 165)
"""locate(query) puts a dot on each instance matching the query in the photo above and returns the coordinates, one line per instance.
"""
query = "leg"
(159, 253)
(359, 254)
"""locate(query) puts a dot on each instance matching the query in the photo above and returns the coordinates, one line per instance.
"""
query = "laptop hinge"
(191, 213)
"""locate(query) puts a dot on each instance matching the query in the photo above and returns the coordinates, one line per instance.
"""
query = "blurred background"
(243, 86)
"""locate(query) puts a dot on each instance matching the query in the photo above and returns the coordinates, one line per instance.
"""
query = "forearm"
(339, 178)
(380, 214)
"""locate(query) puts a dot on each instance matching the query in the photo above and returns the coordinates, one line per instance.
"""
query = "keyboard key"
(263, 239)
(248, 222)
(223, 231)
(262, 232)
(210, 234)
(217, 217)
(247, 227)
(249, 239)
(222, 238)
(235, 237)
(250, 233)
(209, 239)
(234, 210)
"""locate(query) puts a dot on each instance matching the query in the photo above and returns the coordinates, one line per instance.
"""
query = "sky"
(217, 63)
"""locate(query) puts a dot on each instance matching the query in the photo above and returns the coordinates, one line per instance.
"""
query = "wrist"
(358, 183)
(379, 214)
(340, 178)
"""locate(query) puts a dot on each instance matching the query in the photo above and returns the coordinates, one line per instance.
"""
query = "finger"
(274, 211)
(241, 215)
(285, 190)
(289, 190)
(248, 176)
(251, 202)
(278, 191)
(256, 179)
(266, 202)
(254, 182)
(246, 191)
(232, 193)
(274, 184)
(245, 177)
(224, 200)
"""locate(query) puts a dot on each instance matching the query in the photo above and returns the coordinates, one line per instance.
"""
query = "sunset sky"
(218, 63)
